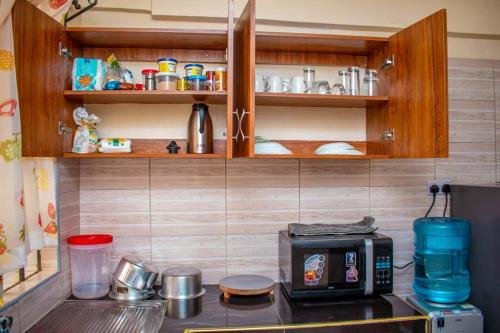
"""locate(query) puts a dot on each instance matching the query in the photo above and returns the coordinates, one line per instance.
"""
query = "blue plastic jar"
(442, 259)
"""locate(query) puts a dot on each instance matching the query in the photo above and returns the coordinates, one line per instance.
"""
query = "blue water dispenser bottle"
(442, 259)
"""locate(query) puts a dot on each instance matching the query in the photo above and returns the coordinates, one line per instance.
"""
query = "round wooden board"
(246, 285)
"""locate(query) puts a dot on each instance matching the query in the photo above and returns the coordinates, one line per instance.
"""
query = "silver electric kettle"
(200, 131)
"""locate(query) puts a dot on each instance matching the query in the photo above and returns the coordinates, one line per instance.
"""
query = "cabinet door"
(418, 89)
(244, 83)
(42, 76)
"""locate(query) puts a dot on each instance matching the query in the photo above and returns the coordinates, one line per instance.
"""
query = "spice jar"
(310, 78)
(344, 79)
(371, 82)
(210, 83)
(148, 79)
(221, 79)
(196, 82)
(182, 83)
(166, 81)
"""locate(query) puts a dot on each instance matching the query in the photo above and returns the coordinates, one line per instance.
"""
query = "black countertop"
(266, 313)
(277, 314)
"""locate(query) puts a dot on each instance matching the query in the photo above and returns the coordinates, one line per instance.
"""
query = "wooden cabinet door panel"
(42, 76)
(244, 82)
(418, 89)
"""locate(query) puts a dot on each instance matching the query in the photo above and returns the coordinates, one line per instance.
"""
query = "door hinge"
(64, 51)
(388, 135)
(63, 129)
(388, 62)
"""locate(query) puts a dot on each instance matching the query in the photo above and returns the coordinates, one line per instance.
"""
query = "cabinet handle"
(63, 129)
(388, 62)
(239, 130)
(64, 51)
(388, 135)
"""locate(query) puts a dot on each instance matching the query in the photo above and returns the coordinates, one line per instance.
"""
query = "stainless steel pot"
(181, 283)
(122, 292)
(135, 273)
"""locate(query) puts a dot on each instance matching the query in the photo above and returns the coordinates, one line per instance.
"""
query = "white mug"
(273, 84)
(298, 85)
(260, 83)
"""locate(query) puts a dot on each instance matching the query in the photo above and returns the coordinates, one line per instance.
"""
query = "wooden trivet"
(246, 285)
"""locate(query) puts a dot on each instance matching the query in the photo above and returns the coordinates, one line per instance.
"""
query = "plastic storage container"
(167, 64)
(196, 82)
(193, 69)
(90, 265)
(442, 259)
(166, 81)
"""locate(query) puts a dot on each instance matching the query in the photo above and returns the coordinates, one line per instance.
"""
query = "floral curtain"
(27, 185)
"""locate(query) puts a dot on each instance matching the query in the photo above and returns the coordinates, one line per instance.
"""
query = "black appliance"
(335, 266)
(481, 206)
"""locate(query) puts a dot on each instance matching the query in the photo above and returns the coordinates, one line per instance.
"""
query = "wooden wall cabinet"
(408, 120)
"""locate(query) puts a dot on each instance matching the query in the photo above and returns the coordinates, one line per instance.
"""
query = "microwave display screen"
(316, 269)
(337, 267)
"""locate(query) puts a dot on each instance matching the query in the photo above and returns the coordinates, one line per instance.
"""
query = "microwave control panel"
(383, 271)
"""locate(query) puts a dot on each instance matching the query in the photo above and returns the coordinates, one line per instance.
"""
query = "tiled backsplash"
(223, 216)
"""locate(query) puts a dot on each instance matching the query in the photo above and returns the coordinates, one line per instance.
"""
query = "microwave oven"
(335, 266)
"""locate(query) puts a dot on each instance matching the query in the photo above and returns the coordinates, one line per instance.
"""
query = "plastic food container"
(193, 69)
(166, 81)
(167, 64)
(90, 265)
(196, 82)
(182, 83)
(148, 79)
(221, 79)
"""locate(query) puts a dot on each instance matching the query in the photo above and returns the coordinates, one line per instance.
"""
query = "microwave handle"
(369, 266)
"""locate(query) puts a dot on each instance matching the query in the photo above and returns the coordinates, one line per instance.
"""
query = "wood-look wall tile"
(472, 121)
(497, 116)
(69, 214)
(470, 79)
(69, 174)
(13, 311)
(468, 163)
(253, 254)
(117, 212)
(208, 253)
(395, 208)
(192, 173)
(248, 173)
(190, 212)
(401, 172)
(114, 174)
(333, 204)
(49, 258)
(333, 173)
(139, 247)
(261, 210)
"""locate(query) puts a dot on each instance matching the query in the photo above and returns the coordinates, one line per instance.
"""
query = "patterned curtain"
(27, 185)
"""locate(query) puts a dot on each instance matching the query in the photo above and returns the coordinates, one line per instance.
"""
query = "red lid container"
(149, 71)
(94, 239)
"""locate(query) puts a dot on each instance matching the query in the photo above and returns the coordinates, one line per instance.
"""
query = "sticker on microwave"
(313, 269)
(351, 275)
(350, 259)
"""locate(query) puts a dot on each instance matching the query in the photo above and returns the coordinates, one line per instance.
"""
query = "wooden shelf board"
(148, 38)
(315, 100)
(143, 155)
(143, 96)
(331, 157)
(318, 43)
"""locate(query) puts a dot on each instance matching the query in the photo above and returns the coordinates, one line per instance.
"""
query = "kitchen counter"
(267, 313)
(388, 314)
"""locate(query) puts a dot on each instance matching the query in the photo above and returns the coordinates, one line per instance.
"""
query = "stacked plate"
(133, 280)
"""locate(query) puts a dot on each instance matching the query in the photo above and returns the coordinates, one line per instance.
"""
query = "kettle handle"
(202, 121)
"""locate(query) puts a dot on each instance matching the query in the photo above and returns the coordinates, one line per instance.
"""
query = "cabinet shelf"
(143, 96)
(316, 100)
(156, 148)
(149, 38)
(330, 157)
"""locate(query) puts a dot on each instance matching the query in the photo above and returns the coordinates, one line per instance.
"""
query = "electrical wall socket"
(439, 183)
